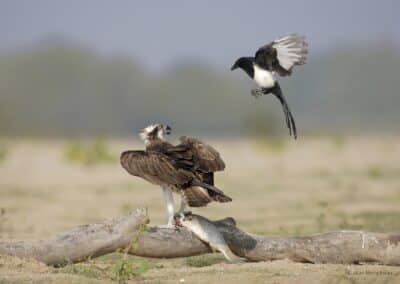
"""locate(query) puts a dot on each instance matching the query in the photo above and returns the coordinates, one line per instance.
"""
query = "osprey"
(276, 58)
(186, 169)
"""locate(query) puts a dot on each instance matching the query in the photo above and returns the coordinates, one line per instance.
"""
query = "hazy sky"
(159, 33)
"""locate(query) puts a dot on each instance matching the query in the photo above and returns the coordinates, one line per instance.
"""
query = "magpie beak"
(234, 66)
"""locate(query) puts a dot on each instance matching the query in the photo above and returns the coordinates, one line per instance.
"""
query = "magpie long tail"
(286, 110)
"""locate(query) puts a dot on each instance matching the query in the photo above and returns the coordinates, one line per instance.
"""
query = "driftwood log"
(82, 242)
(128, 233)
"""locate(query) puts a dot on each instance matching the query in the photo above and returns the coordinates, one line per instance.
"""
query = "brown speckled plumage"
(187, 168)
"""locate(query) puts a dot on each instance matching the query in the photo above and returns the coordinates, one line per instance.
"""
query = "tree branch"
(82, 242)
(93, 240)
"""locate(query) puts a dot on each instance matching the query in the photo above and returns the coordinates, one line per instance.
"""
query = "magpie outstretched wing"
(282, 54)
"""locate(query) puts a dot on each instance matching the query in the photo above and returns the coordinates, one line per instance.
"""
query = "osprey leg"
(169, 201)
(183, 205)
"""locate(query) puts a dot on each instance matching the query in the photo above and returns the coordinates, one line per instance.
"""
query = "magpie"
(275, 58)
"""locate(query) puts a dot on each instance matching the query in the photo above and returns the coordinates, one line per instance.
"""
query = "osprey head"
(154, 131)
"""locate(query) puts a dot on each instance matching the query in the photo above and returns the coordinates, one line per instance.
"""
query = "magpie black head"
(245, 63)
(238, 63)
(235, 66)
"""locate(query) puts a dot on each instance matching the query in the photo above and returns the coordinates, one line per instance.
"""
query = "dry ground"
(279, 188)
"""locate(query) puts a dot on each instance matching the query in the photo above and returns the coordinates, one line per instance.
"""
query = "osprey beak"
(168, 130)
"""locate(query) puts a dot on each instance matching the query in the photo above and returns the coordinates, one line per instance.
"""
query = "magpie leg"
(257, 93)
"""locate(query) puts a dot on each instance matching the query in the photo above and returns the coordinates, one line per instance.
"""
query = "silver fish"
(207, 232)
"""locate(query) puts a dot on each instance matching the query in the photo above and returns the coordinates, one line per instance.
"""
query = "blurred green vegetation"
(3, 153)
(84, 269)
(339, 142)
(204, 260)
(375, 172)
(388, 221)
(61, 89)
(117, 267)
(123, 270)
(88, 153)
(271, 145)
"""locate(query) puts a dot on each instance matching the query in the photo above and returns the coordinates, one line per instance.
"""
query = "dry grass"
(279, 188)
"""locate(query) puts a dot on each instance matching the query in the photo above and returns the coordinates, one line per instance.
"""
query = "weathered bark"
(97, 239)
(83, 242)
(345, 247)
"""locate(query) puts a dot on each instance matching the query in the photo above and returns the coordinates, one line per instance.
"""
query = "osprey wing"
(283, 54)
(154, 167)
(205, 158)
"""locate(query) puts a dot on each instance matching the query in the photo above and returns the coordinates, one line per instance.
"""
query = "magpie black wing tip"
(293, 133)
(294, 130)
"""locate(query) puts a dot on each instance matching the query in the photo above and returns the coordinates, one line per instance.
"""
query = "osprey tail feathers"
(200, 194)
(196, 196)
(215, 193)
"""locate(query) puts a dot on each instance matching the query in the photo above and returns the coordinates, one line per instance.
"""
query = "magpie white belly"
(263, 78)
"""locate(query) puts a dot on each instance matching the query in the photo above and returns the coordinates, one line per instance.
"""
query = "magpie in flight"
(276, 58)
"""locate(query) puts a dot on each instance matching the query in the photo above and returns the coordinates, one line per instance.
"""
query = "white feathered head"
(154, 131)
